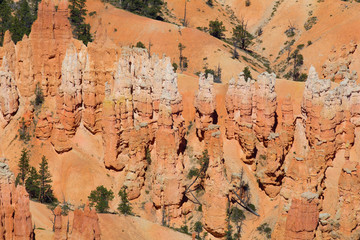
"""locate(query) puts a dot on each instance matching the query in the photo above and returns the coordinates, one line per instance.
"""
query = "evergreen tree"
(32, 183)
(39, 96)
(100, 198)
(81, 30)
(217, 29)
(22, 21)
(124, 206)
(198, 229)
(24, 167)
(237, 216)
(241, 37)
(45, 193)
(5, 18)
(247, 73)
(34, 5)
(147, 8)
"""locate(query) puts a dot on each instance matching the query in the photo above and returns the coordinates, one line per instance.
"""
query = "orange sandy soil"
(125, 29)
(112, 226)
(199, 13)
(338, 24)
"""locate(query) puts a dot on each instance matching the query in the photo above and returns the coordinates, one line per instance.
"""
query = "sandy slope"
(113, 227)
(125, 29)
(338, 24)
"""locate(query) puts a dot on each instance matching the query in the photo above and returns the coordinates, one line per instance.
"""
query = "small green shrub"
(302, 77)
(265, 230)
(175, 66)
(247, 74)
(310, 23)
(140, 45)
(24, 131)
(39, 96)
(148, 155)
(193, 172)
(252, 207)
(300, 46)
(217, 29)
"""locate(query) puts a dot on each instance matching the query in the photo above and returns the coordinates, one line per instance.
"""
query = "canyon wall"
(131, 101)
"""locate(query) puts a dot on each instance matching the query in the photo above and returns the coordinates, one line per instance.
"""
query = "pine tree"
(237, 216)
(100, 198)
(198, 229)
(24, 167)
(247, 73)
(34, 5)
(217, 29)
(124, 206)
(45, 194)
(81, 30)
(5, 18)
(22, 21)
(32, 183)
(241, 37)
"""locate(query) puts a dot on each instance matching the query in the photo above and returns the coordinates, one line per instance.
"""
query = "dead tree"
(204, 162)
(149, 48)
(242, 194)
(185, 22)
(181, 57)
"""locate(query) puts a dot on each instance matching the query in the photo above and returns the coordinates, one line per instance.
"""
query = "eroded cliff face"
(15, 216)
(130, 101)
(9, 98)
(216, 186)
(252, 120)
(337, 66)
(85, 225)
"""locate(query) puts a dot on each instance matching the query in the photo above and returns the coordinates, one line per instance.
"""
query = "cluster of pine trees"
(17, 17)
(37, 183)
(78, 12)
(147, 8)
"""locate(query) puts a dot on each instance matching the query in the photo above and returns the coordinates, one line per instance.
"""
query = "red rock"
(9, 98)
(44, 126)
(85, 225)
(215, 183)
(302, 220)
(58, 231)
(348, 201)
(15, 216)
(59, 139)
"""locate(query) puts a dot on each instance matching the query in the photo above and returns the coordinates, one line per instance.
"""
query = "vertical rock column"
(239, 105)
(9, 98)
(168, 186)
(215, 184)
(69, 98)
(15, 216)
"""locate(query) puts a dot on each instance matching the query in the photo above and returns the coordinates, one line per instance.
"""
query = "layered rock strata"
(215, 184)
(252, 120)
(15, 216)
(9, 98)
